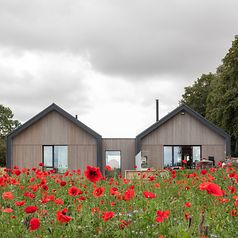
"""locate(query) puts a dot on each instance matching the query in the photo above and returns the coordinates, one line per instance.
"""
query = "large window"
(113, 159)
(56, 157)
(173, 155)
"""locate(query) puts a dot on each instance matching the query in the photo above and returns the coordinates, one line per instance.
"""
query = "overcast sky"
(108, 60)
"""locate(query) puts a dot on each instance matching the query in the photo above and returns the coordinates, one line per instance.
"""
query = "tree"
(215, 96)
(222, 103)
(7, 124)
(195, 96)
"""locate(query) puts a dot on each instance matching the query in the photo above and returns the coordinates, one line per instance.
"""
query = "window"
(196, 153)
(173, 155)
(56, 157)
(177, 155)
(113, 159)
(168, 156)
(144, 162)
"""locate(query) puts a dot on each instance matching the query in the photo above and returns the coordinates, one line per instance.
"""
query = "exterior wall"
(182, 130)
(127, 148)
(54, 129)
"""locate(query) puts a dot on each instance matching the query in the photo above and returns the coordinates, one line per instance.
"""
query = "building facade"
(62, 142)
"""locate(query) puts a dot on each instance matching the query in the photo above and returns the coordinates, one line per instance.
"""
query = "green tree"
(222, 102)
(215, 96)
(7, 124)
(195, 96)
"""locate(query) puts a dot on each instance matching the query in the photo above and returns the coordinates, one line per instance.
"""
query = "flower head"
(34, 224)
(98, 192)
(93, 174)
(107, 215)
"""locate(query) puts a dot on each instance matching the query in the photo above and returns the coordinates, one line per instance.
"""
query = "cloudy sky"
(108, 60)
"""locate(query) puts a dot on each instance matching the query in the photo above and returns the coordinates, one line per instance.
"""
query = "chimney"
(157, 110)
(76, 116)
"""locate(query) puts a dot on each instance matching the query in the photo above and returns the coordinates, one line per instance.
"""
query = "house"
(183, 134)
(62, 142)
(55, 138)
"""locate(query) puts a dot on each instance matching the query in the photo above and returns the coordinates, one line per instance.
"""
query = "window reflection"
(113, 159)
(167, 156)
(177, 155)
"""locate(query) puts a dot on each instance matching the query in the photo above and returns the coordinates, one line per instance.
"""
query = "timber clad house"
(62, 142)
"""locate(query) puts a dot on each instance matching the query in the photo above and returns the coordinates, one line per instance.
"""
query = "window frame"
(113, 151)
(180, 146)
(53, 156)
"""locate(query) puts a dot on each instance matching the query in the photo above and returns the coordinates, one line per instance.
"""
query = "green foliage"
(195, 96)
(7, 124)
(215, 96)
(139, 212)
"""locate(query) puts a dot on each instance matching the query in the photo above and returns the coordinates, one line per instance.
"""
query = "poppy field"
(169, 203)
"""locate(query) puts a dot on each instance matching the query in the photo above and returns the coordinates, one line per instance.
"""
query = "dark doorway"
(187, 155)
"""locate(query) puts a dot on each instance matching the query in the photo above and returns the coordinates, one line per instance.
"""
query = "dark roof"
(54, 107)
(183, 108)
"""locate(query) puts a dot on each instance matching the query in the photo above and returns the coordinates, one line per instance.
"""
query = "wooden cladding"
(125, 146)
(54, 129)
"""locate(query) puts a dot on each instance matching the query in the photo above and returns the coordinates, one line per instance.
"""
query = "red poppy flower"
(8, 210)
(19, 203)
(34, 224)
(187, 204)
(214, 190)
(61, 216)
(41, 164)
(129, 193)
(28, 194)
(95, 210)
(161, 215)
(98, 192)
(7, 196)
(73, 191)
(107, 215)
(233, 212)
(203, 171)
(30, 209)
(62, 183)
(17, 172)
(59, 201)
(108, 168)
(149, 194)
(93, 174)
(184, 161)
(232, 189)
(114, 191)
(211, 188)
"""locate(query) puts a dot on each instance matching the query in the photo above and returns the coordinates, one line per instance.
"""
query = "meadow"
(172, 203)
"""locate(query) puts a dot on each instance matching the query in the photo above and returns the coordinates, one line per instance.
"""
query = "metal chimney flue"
(76, 116)
(157, 110)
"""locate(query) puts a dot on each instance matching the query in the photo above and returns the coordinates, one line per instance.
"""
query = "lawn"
(185, 203)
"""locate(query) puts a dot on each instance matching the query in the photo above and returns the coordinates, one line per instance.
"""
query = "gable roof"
(51, 108)
(199, 117)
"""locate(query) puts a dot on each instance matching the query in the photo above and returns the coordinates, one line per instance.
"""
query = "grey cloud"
(133, 38)
(26, 93)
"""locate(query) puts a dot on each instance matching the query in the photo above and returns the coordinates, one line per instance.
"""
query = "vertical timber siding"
(127, 148)
(54, 129)
(182, 130)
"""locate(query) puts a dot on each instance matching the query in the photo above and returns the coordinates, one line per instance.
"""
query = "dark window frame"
(53, 156)
(180, 146)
